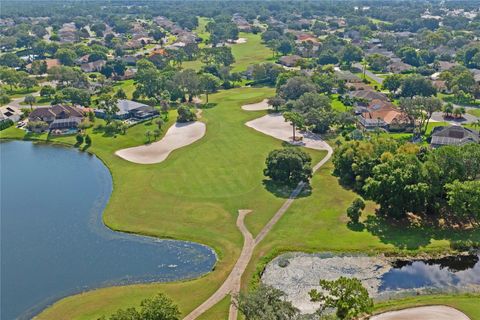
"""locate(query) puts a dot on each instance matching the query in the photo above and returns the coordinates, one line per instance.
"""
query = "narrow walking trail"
(231, 286)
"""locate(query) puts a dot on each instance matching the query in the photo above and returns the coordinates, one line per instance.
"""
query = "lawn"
(127, 85)
(474, 112)
(39, 101)
(246, 54)
(18, 92)
(251, 52)
(195, 194)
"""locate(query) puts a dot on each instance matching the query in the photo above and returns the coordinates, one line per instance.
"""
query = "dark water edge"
(66, 251)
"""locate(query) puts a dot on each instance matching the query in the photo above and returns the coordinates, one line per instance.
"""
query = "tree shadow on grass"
(404, 235)
(209, 105)
(284, 191)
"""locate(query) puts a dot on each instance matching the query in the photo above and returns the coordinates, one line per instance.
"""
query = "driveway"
(369, 73)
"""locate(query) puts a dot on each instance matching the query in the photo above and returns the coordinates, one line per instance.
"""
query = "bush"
(355, 210)
(6, 124)
(79, 139)
(185, 114)
(88, 140)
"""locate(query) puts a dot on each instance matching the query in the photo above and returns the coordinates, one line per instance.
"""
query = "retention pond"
(298, 273)
(53, 240)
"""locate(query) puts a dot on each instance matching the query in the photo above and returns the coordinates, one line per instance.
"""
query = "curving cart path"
(231, 285)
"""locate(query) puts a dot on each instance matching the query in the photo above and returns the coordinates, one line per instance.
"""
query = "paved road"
(369, 73)
(231, 286)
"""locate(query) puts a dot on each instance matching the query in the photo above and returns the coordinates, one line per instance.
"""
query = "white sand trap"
(423, 313)
(274, 125)
(262, 105)
(241, 40)
(179, 135)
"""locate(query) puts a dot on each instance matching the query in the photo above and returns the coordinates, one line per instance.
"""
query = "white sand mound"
(274, 125)
(262, 105)
(179, 135)
(241, 40)
(423, 313)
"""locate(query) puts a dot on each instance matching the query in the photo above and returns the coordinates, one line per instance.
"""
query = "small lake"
(53, 240)
(384, 278)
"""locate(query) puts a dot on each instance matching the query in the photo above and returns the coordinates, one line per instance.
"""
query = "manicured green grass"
(18, 92)
(251, 52)
(338, 105)
(246, 54)
(39, 101)
(467, 303)
(127, 85)
(201, 30)
(474, 112)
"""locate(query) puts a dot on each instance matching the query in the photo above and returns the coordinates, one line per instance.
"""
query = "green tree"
(30, 100)
(10, 77)
(392, 82)
(66, 56)
(109, 105)
(79, 139)
(295, 119)
(276, 102)
(417, 85)
(209, 84)
(10, 60)
(355, 210)
(398, 185)
(88, 140)
(185, 114)
(346, 295)
(266, 303)
(120, 94)
(350, 53)
(288, 166)
(464, 199)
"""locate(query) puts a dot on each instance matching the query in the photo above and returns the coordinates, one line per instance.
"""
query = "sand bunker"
(241, 40)
(274, 125)
(179, 135)
(423, 313)
(262, 105)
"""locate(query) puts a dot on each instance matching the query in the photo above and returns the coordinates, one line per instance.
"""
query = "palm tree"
(448, 109)
(30, 100)
(476, 124)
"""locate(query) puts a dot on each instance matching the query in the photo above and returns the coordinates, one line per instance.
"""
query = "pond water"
(297, 274)
(448, 272)
(53, 240)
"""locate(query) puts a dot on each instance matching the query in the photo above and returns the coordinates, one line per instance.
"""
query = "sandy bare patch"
(423, 313)
(241, 40)
(262, 105)
(179, 135)
(274, 125)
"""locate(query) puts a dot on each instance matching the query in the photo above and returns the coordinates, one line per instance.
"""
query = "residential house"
(50, 64)
(289, 61)
(130, 109)
(453, 136)
(347, 76)
(369, 95)
(58, 116)
(398, 66)
(383, 114)
(94, 66)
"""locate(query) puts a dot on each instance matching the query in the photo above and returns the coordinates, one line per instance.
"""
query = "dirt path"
(231, 286)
